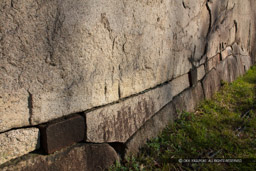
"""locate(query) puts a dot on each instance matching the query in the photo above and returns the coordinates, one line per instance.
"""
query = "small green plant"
(223, 127)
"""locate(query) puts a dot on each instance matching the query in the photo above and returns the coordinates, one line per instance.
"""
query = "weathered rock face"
(18, 142)
(14, 109)
(118, 122)
(211, 83)
(151, 129)
(75, 56)
(189, 99)
(116, 62)
(72, 56)
(84, 157)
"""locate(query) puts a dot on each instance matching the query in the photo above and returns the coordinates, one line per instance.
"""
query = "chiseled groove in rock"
(30, 107)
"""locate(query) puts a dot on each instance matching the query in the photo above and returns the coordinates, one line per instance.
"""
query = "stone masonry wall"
(110, 72)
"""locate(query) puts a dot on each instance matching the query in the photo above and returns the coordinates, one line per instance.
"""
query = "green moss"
(212, 128)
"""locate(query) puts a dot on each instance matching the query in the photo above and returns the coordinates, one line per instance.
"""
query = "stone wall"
(111, 71)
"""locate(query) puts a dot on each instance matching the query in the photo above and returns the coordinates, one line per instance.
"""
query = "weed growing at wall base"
(219, 135)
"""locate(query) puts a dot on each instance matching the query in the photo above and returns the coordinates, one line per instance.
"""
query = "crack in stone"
(30, 107)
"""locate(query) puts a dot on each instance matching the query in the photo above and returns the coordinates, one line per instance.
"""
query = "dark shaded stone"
(189, 99)
(62, 133)
(150, 129)
(211, 83)
(119, 148)
(192, 77)
(80, 157)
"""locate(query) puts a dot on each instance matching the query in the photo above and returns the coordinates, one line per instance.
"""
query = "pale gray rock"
(18, 142)
(231, 21)
(212, 62)
(225, 53)
(228, 69)
(14, 109)
(200, 72)
(244, 59)
(73, 56)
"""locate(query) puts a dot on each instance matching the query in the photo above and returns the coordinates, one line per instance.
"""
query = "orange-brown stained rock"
(79, 157)
(60, 134)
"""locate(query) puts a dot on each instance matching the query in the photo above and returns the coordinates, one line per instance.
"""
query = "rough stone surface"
(231, 21)
(62, 57)
(151, 129)
(189, 99)
(60, 134)
(16, 143)
(81, 157)
(14, 109)
(73, 56)
(244, 60)
(211, 83)
(228, 69)
(116, 123)
(212, 62)
(225, 53)
(200, 72)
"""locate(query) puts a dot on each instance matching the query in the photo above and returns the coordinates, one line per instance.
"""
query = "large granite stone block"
(212, 62)
(18, 142)
(151, 129)
(226, 52)
(14, 109)
(200, 72)
(189, 99)
(228, 69)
